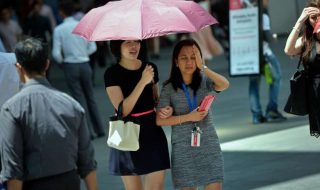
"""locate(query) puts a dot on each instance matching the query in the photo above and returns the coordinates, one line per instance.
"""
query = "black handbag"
(297, 102)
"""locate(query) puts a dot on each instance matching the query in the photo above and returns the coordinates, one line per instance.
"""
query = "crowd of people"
(46, 135)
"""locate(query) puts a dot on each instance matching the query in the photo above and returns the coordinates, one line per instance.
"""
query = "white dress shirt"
(68, 47)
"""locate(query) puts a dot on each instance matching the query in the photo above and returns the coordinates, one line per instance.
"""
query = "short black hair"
(32, 55)
(67, 7)
(115, 47)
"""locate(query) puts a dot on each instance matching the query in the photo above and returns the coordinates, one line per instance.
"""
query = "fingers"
(162, 116)
(148, 74)
(311, 11)
(199, 115)
(148, 68)
(202, 115)
(165, 112)
(197, 54)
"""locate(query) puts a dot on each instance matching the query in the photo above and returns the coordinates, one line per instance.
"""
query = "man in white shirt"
(73, 53)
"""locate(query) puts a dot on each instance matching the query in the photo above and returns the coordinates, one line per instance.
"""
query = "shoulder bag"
(297, 102)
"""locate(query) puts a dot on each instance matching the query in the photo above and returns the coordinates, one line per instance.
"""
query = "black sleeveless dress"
(153, 154)
(313, 68)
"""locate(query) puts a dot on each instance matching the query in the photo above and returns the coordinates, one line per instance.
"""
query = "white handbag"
(123, 132)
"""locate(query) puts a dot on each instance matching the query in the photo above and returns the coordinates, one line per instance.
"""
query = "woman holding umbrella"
(195, 161)
(133, 82)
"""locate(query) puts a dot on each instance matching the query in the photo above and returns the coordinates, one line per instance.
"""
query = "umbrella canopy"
(141, 19)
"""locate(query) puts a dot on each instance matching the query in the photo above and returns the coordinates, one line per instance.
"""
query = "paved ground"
(275, 156)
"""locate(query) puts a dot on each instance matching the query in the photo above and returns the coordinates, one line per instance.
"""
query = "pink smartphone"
(206, 103)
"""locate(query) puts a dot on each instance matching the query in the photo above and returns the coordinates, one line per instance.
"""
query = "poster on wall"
(245, 47)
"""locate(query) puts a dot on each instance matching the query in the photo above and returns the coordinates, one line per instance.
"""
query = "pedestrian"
(189, 82)
(44, 140)
(306, 45)
(136, 84)
(10, 29)
(73, 53)
(272, 113)
(37, 25)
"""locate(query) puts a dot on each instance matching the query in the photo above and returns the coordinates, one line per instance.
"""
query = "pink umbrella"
(141, 19)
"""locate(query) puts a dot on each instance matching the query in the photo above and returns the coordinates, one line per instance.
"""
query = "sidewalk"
(287, 159)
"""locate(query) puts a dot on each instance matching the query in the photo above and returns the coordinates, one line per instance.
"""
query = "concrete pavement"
(266, 156)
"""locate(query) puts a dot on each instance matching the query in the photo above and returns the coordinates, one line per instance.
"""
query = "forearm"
(267, 36)
(130, 101)
(14, 184)
(92, 47)
(57, 49)
(91, 181)
(172, 120)
(220, 82)
(292, 47)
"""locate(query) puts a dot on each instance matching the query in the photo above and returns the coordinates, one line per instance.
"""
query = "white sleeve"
(265, 22)
(92, 47)
(57, 47)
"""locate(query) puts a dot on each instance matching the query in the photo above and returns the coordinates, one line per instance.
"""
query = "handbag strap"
(119, 111)
(300, 61)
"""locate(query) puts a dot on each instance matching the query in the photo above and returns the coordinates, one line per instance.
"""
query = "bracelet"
(296, 29)
(204, 67)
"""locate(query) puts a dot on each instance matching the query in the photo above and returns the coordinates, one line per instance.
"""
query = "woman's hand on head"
(165, 112)
(308, 12)
(198, 57)
(147, 75)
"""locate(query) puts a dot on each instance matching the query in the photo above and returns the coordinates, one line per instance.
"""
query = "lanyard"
(192, 105)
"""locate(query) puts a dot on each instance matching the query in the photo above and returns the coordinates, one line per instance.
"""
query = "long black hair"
(175, 76)
(308, 37)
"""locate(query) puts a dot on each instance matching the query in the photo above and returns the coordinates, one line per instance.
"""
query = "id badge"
(195, 139)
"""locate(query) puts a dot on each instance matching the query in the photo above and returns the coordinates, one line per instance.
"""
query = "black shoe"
(275, 116)
(258, 119)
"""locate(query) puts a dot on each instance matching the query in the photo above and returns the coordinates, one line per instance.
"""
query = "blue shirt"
(43, 132)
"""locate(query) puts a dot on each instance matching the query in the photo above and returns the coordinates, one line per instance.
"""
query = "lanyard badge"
(196, 136)
(196, 131)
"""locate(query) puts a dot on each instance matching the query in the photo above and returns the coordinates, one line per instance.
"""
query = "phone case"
(206, 103)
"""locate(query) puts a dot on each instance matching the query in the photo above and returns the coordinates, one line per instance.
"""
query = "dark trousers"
(65, 181)
(79, 81)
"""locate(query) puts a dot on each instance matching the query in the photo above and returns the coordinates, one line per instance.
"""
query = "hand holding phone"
(206, 103)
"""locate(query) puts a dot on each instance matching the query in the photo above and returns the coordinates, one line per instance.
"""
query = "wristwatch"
(204, 67)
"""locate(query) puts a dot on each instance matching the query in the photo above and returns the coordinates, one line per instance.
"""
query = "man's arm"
(57, 47)
(14, 184)
(11, 143)
(91, 181)
(86, 163)
(92, 47)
